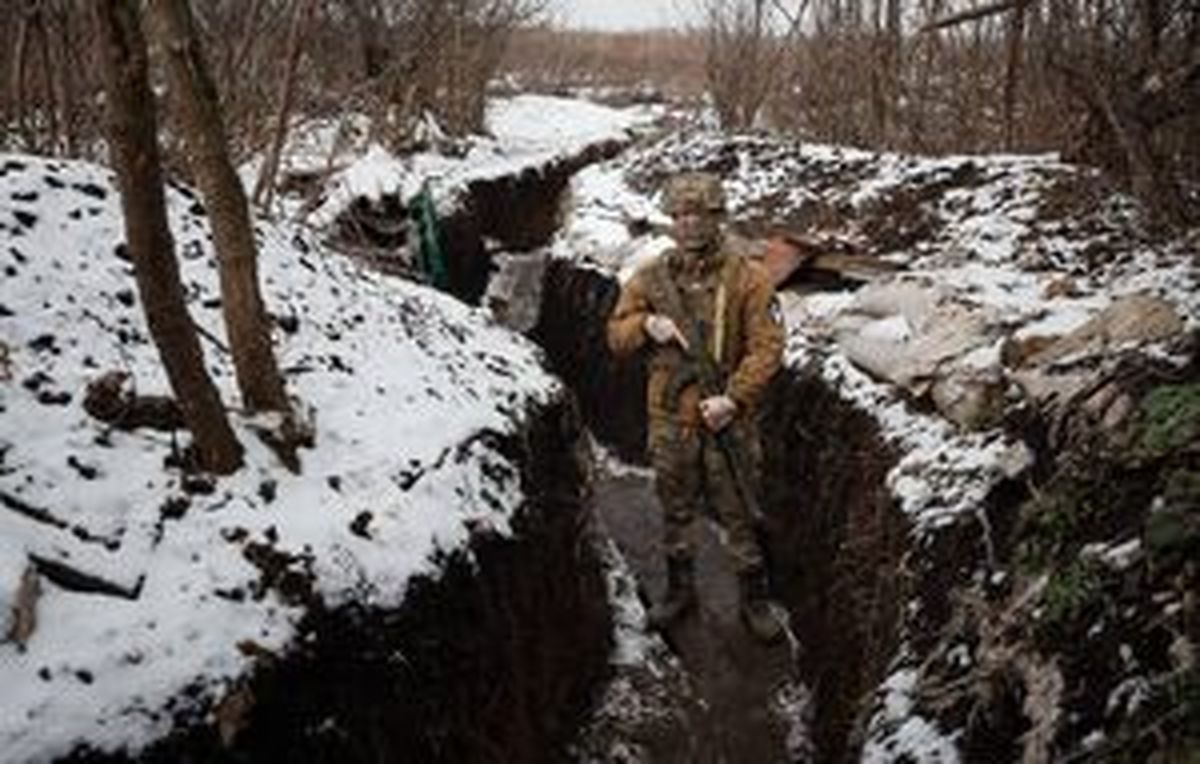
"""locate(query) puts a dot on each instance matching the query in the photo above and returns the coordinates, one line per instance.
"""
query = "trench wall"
(836, 538)
(519, 213)
(494, 660)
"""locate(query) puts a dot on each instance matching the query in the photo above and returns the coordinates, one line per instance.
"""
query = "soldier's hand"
(662, 330)
(718, 411)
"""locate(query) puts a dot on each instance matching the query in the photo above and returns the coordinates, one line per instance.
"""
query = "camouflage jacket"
(732, 297)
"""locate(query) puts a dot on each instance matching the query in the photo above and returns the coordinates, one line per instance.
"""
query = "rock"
(106, 396)
(948, 332)
(232, 714)
(914, 300)
(1044, 387)
(12, 563)
(1183, 654)
(972, 399)
(1134, 319)
(1015, 460)
(1119, 557)
(1063, 286)
(1110, 405)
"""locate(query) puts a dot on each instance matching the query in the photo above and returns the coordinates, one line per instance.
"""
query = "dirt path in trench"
(743, 687)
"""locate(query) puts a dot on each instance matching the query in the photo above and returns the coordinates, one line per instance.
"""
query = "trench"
(512, 213)
(491, 660)
(835, 539)
(504, 654)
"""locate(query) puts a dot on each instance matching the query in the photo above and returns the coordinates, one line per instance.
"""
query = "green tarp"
(431, 253)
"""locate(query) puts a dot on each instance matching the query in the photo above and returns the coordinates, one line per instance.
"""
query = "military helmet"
(696, 191)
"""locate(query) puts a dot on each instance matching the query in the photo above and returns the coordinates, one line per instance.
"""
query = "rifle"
(702, 369)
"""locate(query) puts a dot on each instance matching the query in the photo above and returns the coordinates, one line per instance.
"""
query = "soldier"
(703, 439)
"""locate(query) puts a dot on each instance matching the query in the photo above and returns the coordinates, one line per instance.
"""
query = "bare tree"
(435, 57)
(1134, 65)
(194, 96)
(302, 14)
(745, 42)
(25, 25)
(40, 105)
(132, 134)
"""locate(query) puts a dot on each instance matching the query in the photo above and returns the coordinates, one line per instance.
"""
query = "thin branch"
(971, 14)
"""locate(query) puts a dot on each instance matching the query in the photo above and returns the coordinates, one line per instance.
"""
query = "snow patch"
(411, 390)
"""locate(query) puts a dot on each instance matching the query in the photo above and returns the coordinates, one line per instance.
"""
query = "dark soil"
(733, 676)
(835, 538)
(494, 660)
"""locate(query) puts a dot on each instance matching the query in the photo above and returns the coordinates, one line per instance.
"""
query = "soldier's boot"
(756, 606)
(681, 594)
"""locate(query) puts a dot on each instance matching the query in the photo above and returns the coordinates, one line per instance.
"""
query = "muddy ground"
(736, 680)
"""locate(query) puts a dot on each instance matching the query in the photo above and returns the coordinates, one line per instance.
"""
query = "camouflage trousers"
(691, 476)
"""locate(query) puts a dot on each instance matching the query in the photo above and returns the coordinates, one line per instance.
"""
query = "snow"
(983, 214)
(542, 123)
(633, 643)
(895, 734)
(992, 250)
(527, 132)
(942, 473)
(597, 230)
(410, 390)
(12, 566)
(648, 687)
(893, 329)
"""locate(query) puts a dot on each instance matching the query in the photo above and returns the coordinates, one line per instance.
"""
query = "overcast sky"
(623, 14)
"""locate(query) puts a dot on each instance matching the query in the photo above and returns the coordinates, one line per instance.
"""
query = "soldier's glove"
(662, 330)
(718, 411)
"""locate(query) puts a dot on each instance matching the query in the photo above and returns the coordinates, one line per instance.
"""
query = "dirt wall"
(493, 660)
(514, 213)
(835, 536)
(836, 543)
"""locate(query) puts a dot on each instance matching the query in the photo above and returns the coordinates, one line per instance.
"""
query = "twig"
(206, 334)
(971, 14)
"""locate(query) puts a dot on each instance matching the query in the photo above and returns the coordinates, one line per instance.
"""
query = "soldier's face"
(696, 229)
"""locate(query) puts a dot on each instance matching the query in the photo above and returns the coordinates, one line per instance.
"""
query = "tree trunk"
(67, 74)
(132, 136)
(19, 62)
(49, 101)
(264, 189)
(195, 97)
(1016, 36)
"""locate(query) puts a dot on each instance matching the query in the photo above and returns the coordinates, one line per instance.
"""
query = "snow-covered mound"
(1006, 288)
(999, 228)
(525, 132)
(991, 249)
(158, 588)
